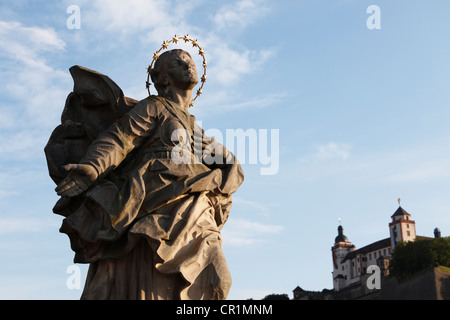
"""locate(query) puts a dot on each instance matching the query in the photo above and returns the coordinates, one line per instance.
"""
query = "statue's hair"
(158, 72)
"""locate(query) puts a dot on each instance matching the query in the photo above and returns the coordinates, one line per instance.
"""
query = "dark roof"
(341, 237)
(369, 248)
(424, 238)
(400, 212)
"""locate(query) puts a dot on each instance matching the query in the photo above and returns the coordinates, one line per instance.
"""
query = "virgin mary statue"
(143, 206)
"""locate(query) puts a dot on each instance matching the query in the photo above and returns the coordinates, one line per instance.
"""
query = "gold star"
(165, 45)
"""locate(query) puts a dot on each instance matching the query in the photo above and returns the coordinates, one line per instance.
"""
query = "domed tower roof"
(341, 237)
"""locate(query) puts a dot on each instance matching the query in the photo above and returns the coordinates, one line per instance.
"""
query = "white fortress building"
(349, 263)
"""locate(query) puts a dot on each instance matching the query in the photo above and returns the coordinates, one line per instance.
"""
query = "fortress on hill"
(350, 265)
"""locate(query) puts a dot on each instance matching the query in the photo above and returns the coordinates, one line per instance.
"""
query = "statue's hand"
(79, 179)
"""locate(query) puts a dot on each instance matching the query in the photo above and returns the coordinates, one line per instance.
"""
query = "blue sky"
(363, 118)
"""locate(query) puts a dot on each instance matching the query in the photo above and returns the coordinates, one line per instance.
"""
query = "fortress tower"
(402, 228)
(339, 251)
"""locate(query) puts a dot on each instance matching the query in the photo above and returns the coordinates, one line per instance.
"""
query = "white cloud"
(333, 150)
(226, 101)
(164, 18)
(239, 14)
(328, 159)
(23, 144)
(254, 206)
(25, 43)
(14, 225)
(247, 232)
(416, 163)
(419, 163)
(154, 21)
(227, 64)
(7, 118)
(36, 284)
(419, 172)
(33, 85)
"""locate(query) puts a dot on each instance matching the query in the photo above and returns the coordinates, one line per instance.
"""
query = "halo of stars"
(164, 46)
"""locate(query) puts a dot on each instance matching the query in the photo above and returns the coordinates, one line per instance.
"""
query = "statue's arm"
(217, 157)
(109, 149)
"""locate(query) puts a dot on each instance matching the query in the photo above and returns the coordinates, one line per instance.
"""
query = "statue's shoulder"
(153, 104)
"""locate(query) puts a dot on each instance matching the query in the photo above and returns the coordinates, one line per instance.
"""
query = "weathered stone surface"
(148, 224)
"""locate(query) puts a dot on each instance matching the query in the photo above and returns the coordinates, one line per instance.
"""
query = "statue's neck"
(181, 98)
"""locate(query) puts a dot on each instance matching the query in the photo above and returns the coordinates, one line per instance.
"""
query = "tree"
(411, 257)
(275, 296)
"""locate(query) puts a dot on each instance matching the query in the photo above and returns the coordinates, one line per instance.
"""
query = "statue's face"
(181, 71)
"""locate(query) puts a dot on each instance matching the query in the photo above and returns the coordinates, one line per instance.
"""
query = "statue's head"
(174, 68)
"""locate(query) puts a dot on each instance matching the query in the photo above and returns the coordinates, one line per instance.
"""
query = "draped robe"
(150, 226)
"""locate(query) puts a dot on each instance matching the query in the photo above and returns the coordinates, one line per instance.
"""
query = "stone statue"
(146, 220)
